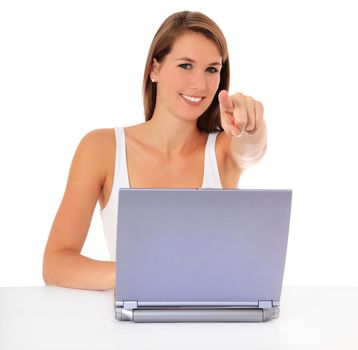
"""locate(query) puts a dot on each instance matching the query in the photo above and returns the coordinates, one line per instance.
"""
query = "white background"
(67, 67)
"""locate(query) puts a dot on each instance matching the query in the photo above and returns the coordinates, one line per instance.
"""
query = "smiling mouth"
(192, 98)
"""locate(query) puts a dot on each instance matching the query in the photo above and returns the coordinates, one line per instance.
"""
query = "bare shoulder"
(95, 153)
(98, 140)
(97, 143)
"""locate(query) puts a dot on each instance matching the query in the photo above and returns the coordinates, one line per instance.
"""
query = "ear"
(154, 70)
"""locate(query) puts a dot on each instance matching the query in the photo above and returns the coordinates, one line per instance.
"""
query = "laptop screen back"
(206, 245)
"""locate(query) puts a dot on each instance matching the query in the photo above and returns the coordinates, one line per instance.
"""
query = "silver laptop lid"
(201, 246)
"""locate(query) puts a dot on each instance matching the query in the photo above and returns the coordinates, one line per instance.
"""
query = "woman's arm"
(248, 149)
(63, 264)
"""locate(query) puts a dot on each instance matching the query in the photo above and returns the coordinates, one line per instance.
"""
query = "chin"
(189, 116)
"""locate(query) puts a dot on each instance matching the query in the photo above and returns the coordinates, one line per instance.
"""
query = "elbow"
(56, 269)
(46, 280)
(46, 271)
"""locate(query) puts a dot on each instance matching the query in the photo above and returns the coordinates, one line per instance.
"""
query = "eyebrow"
(193, 61)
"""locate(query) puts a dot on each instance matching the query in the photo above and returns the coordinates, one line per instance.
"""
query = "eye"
(212, 70)
(185, 65)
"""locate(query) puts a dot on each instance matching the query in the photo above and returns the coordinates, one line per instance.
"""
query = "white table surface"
(58, 318)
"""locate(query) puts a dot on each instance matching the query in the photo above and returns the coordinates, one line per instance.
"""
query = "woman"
(195, 135)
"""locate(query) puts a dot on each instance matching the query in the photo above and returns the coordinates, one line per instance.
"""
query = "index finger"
(225, 102)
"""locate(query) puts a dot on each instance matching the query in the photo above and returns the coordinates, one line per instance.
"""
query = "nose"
(198, 81)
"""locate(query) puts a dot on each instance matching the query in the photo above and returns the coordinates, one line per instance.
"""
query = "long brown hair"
(171, 28)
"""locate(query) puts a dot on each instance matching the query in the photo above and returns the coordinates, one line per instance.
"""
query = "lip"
(192, 103)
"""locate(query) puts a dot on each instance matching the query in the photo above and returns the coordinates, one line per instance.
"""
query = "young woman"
(195, 135)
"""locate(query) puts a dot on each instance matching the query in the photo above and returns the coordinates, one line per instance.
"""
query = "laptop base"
(197, 315)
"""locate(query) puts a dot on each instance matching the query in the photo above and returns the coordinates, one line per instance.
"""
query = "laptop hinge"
(124, 310)
(265, 304)
(270, 309)
(130, 305)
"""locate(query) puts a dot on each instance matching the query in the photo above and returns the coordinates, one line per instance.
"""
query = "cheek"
(181, 80)
(175, 80)
(216, 82)
(213, 85)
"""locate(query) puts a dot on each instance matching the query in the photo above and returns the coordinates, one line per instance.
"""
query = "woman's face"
(188, 77)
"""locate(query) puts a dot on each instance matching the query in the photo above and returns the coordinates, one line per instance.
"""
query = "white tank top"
(120, 180)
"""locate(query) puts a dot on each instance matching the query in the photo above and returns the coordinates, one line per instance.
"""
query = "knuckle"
(239, 96)
(252, 102)
(250, 99)
(260, 105)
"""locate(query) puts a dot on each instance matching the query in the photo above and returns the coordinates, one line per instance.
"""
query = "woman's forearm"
(248, 149)
(72, 270)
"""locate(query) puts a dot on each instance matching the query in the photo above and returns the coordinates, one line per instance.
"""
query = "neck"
(172, 136)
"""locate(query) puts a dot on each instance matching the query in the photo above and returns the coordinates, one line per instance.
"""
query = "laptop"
(200, 255)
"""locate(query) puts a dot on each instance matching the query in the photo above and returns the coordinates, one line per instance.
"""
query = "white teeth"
(192, 99)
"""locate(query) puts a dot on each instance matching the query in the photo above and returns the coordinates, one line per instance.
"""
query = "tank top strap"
(121, 159)
(211, 170)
